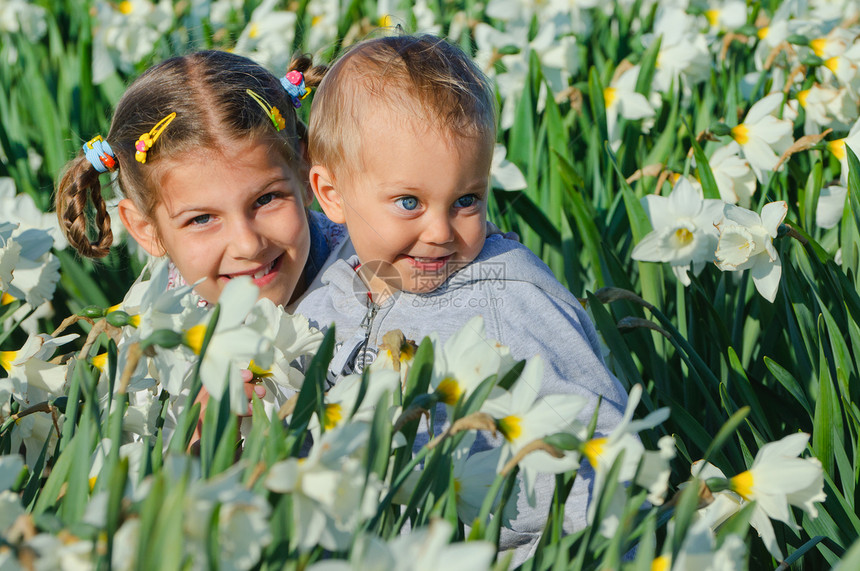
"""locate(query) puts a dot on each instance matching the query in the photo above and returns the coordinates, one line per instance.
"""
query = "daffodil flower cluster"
(690, 231)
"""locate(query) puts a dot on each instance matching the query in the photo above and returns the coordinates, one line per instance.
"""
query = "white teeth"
(260, 274)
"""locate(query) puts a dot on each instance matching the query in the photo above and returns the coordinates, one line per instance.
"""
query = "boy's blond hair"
(417, 76)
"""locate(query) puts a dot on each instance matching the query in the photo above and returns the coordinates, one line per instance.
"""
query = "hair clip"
(100, 155)
(145, 142)
(272, 111)
(294, 83)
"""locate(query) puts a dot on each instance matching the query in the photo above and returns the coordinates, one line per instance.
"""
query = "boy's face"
(221, 216)
(417, 202)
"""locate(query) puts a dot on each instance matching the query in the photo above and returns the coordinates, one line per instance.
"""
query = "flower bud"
(166, 338)
(92, 311)
(720, 129)
(118, 318)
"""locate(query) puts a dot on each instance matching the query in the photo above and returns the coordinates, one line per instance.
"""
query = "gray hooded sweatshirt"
(524, 307)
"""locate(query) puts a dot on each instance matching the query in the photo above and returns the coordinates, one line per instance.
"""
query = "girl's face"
(234, 213)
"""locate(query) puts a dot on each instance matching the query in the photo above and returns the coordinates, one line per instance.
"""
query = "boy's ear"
(141, 228)
(322, 183)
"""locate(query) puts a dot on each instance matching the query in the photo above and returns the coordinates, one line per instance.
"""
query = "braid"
(79, 184)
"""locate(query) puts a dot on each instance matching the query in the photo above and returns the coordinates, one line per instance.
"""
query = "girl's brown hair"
(208, 92)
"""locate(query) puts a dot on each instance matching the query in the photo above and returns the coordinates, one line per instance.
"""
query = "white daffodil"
(762, 136)
(834, 10)
(36, 271)
(835, 43)
(845, 67)
(683, 52)
(62, 551)
(330, 489)
(837, 147)
(427, 548)
(522, 418)
(726, 15)
(777, 479)
(699, 552)
(20, 209)
(126, 33)
(425, 19)
(831, 205)
(243, 521)
(473, 476)
(135, 452)
(268, 37)
(10, 468)
(746, 242)
(125, 545)
(725, 504)
(10, 502)
(10, 252)
(10, 510)
(234, 342)
(31, 380)
(557, 56)
(684, 234)
(341, 400)
(827, 107)
(602, 452)
(23, 17)
(504, 174)
(733, 175)
(292, 339)
(324, 17)
(621, 98)
(465, 360)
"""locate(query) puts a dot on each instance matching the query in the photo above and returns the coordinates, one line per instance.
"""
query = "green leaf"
(706, 175)
(310, 399)
(789, 383)
(727, 430)
(826, 412)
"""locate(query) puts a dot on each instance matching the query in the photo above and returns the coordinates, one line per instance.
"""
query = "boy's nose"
(245, 240)
(438, 230)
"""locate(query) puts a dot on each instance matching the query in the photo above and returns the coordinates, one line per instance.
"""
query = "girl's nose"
(245, 240)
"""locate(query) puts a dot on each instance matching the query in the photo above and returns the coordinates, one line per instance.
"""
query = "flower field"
(688, 169)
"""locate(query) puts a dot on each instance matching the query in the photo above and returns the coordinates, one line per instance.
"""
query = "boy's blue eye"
(202, 219)
(466, 201)
(408, 202)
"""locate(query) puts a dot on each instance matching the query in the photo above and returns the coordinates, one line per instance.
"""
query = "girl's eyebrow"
(195, 208)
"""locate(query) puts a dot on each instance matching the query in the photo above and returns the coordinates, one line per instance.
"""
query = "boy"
(401, 140)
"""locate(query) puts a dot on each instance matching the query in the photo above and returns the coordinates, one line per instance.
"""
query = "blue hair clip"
(294, 84)
(100, 155)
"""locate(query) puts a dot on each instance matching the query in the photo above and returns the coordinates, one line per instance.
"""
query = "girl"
(209, 158)
(208, 153)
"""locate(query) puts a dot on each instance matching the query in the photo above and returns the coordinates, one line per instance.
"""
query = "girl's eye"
(266, 199)
(407, 202)
(466, 201)
(200, 220)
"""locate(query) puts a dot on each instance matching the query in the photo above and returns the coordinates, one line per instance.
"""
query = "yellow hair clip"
(145, 142)
(272, 111)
